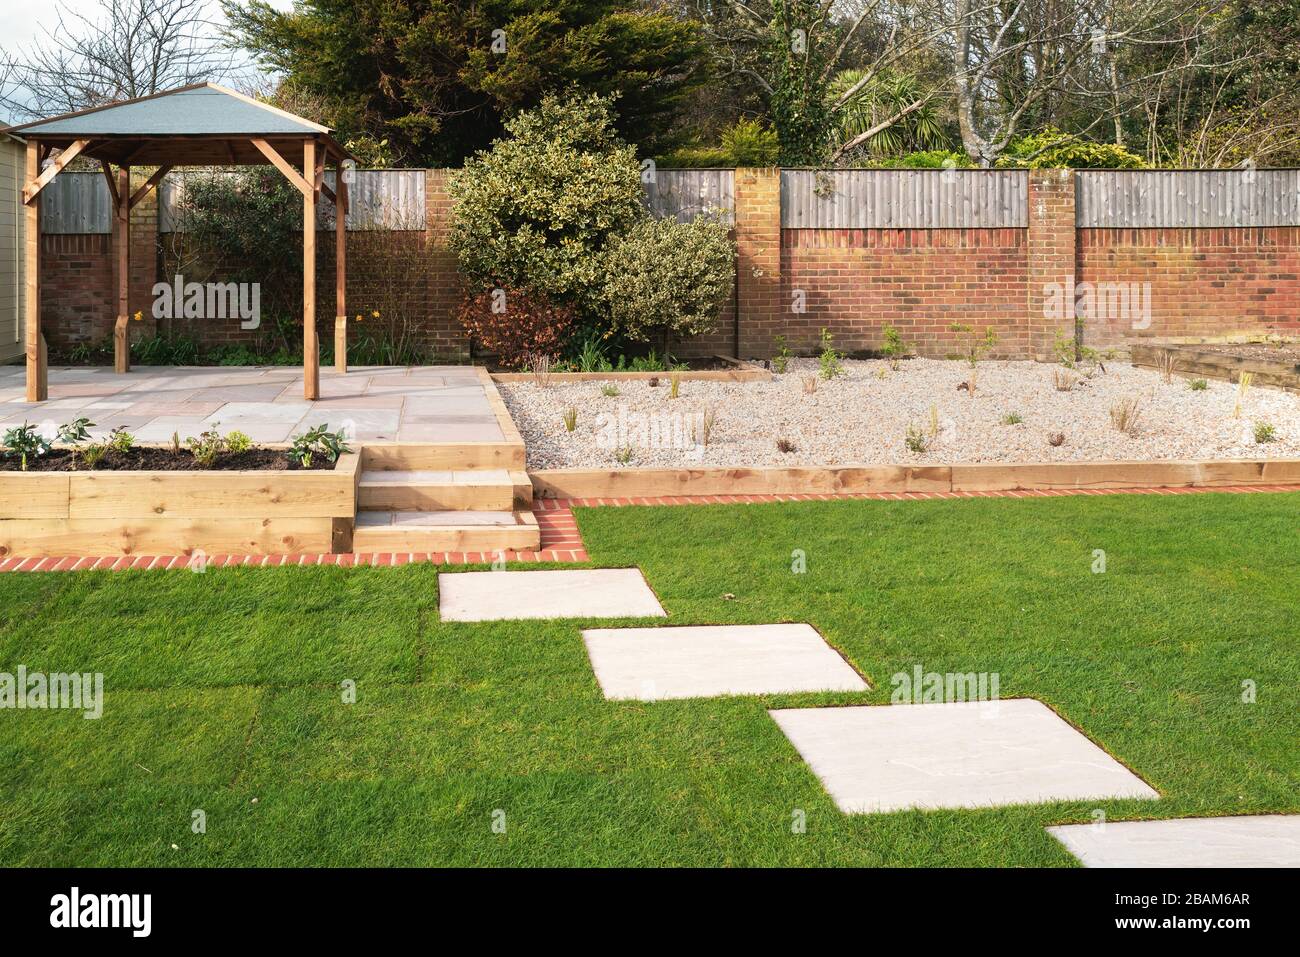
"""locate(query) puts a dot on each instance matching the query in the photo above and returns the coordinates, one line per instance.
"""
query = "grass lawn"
(222, 691)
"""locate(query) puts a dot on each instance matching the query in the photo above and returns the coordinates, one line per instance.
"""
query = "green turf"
(222, 691)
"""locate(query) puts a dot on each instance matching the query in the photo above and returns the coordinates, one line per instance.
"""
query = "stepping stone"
(1265, 840)
(588, 593)
(877, 759)
(652, 664)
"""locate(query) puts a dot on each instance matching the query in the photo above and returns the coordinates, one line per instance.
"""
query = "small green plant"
(25, 441)
(1198, 385)
(1012, 418)
(610, 390)
(93, 454)
(1264, 433)
(781, 361)
(318, 441)
(916, 440)
(830, 361)
(1073, 354)
(974, 347)
(120, 441)
(75, 432)
(570, 418)
(674, 386)
(894, 348)
(238, 442)
(591, 357)
(623, 454)
(207, 448)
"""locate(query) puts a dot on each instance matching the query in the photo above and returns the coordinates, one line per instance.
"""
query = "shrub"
(537, 210)
(1198, 385)
(1053, 149)
(667, 280)
(830, 361)
(516, 325)
(318, 441)
(1264, 432)
(916, 440)
(25, 440)
(750, 143)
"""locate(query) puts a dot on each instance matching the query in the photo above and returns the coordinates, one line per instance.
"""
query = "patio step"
(428, 490)
(445, 531)
(442, 456)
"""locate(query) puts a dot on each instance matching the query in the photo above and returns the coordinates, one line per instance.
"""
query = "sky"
(23, 22)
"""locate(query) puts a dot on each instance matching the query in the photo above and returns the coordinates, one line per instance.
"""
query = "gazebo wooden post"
(340, 271)
(37, 373)
(310, 345)
(122, 240)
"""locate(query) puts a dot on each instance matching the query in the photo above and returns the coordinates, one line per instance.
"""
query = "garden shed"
(199, 125)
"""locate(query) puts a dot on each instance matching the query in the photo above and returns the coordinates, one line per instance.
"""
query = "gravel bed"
(863, 417)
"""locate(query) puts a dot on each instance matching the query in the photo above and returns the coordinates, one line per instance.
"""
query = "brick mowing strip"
(561, 540)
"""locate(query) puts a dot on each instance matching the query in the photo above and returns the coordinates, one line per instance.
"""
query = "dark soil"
(150, 459)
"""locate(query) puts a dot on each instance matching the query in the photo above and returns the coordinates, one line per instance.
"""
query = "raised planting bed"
(260, 511)
(714, 369)
(154, 459)
(922, 413)
(1270, 365)
(863, 479)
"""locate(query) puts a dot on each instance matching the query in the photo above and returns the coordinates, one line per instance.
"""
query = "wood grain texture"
(53, 537)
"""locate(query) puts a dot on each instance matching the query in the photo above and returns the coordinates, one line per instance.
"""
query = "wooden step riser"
(417, 539)
(436, 498)
(444, 457)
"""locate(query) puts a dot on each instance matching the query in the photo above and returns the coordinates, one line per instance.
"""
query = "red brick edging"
(560, 539)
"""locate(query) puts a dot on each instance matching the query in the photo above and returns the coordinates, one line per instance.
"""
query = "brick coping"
(561, 540)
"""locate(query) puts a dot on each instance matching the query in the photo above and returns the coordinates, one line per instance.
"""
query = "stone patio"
(378, 403)
(882, 758)
(588, 593)
(704, 661)
(1264, 840)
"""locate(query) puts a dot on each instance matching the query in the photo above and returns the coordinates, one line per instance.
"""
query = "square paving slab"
(885, 758)
(651, 664)
(1265, 840)
(590, 593)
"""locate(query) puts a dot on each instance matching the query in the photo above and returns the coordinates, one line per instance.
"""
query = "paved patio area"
(377, 403)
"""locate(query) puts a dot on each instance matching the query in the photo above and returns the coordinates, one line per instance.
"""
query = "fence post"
(1051, 266)
(758, 261)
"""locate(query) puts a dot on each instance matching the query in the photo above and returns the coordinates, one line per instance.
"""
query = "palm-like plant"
(886, 95)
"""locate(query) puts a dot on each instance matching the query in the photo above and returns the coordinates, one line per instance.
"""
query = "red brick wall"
(1204, 282)
(857, 281)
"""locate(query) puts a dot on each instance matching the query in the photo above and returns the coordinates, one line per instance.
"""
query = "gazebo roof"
(199, 125)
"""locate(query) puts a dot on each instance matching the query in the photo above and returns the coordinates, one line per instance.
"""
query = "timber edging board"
(260, 512)
(975, 477)
(1221, 365)
(740, 371)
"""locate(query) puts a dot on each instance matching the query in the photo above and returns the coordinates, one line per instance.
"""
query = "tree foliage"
(536, 211)
(667, 280)
(438, 78)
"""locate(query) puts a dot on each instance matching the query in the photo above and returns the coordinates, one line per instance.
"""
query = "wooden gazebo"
(199, 125)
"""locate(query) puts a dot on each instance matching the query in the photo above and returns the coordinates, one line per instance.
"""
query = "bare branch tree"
(121, 50)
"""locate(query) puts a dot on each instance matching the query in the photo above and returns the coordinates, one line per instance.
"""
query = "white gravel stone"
(862, 417)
